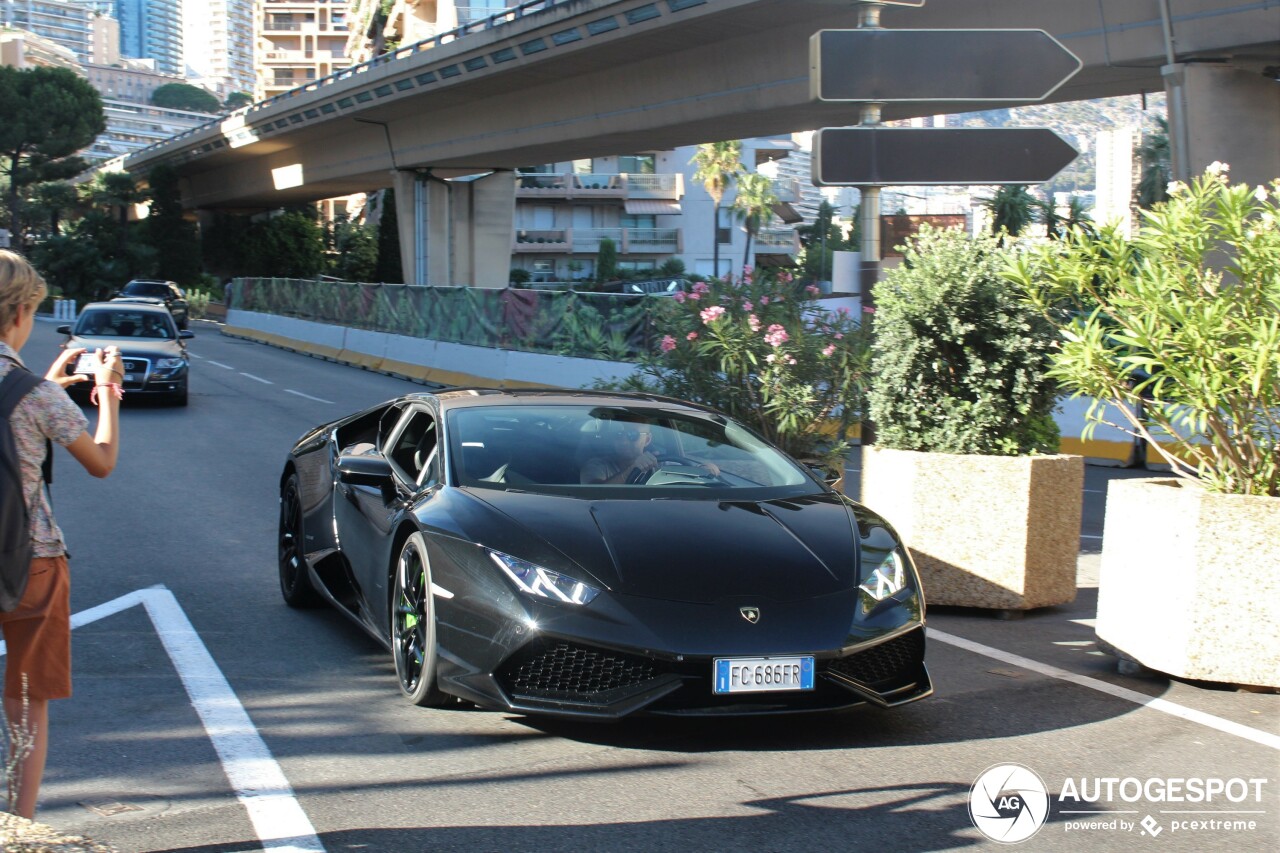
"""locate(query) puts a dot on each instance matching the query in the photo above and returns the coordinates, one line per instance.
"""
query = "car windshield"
(146, 288)
(595, 450)
(123, 323)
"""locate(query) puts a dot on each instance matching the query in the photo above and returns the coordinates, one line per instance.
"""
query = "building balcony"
(777, 241)
(622, 186)
(586, 241)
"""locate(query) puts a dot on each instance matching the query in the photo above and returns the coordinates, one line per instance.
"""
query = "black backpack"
(15, 519)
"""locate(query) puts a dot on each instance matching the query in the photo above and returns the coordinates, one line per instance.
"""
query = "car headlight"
(534, 580)
(887, 577)
(169, 363)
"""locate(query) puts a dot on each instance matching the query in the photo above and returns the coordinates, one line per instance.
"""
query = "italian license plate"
(763, 675)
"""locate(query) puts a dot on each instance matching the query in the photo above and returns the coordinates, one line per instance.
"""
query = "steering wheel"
(638, 475)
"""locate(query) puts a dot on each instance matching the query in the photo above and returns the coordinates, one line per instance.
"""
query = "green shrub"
(960, 360)
(766, 355)
(1178, 328)
(197, 304)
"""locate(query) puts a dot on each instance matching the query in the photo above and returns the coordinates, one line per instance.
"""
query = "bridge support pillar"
(1229, 114)
(456, 232)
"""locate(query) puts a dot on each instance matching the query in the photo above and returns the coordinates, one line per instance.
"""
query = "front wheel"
(413, 625)
(295, 583)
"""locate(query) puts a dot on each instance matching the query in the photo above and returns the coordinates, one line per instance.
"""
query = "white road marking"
(1163, 705)
(220, 364)
(1087, 536)
(193, 355)
(260, 785)
(257, 378)
(308, 396)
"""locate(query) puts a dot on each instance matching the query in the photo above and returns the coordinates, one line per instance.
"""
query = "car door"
(367, 515)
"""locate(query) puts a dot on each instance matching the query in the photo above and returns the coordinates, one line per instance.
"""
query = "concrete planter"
(999, 532)
(1190, 582)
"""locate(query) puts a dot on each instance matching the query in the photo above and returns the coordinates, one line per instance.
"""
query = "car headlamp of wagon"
(170, 363)
(534, 580)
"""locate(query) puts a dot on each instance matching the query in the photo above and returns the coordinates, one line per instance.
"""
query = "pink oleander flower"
(668, 343)
(791, 359)
(679, 296)
(701, 287)
(694, 296)
(754, 322)
(710, 315)
(812, 289)
(747, 275)
(785, 277)
(771, 357)
(868, 309)
(692, 336)
(843, 310)
(829, 350)
(839, 336)
(776, 336)
(747, 306)
(764, 300)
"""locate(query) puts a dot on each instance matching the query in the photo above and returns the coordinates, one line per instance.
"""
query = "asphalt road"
(331, 758)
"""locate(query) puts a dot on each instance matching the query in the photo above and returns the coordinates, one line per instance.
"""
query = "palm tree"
(754, 206)
(1155, 157)
(1011, 209)
(719, 164)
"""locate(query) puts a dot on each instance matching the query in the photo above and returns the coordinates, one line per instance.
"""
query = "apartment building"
(299, 41)
(219, 45)
(152, 29)
(23, 49)
(66, 23)
(651, 208)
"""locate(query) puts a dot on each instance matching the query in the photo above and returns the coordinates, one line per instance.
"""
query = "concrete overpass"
(583, 78)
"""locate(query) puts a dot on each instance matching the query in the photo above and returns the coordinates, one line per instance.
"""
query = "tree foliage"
(760, 350)
(607, 261)
(236, 100)
(184, 96)
(753, 206)
(1178, 328)
(1012, 209)
(175, 240)
(389, 268)
(819, 242)
(1155, 159)
(48, 115)
(961, 361)
(354, 251)
(718, 165)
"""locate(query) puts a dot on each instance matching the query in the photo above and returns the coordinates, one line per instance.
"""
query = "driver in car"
(627, 458)
(626, 443)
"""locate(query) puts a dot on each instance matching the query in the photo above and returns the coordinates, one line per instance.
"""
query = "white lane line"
(255, 776)
(1088, 536)
(308, 396)
(1163, 705)
(257, 378)
(220, 364)
(193, 355)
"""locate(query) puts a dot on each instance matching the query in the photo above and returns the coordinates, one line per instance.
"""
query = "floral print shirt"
(46, 412)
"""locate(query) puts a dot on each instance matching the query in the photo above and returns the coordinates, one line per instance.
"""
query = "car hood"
(145, 347)
(696, 551)
(149, 300)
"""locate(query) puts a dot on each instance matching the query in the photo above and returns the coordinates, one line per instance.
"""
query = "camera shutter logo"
(1008, 803)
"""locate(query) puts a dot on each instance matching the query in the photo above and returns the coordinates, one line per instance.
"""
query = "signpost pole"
(869, 203)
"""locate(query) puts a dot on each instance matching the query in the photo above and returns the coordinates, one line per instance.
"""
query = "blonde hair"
(20, 285)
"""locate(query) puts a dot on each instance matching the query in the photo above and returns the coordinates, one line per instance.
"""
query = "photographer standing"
(37, 631)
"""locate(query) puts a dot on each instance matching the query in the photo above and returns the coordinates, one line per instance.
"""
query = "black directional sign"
(926, 156)
(937, 65)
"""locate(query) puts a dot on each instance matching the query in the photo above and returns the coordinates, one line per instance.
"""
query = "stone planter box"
(1190, 582)
(1000, 532)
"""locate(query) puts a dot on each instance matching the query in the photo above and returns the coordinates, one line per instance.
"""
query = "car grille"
(133, 365)
(883, 665)
(565, 670)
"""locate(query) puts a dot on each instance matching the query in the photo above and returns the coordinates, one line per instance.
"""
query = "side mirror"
(185, 335)
(64, 330)
(364, 470)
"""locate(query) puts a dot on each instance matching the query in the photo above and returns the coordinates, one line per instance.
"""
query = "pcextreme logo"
(1010, 803)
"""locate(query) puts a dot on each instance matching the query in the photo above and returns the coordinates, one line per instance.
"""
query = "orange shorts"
(37, 634)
